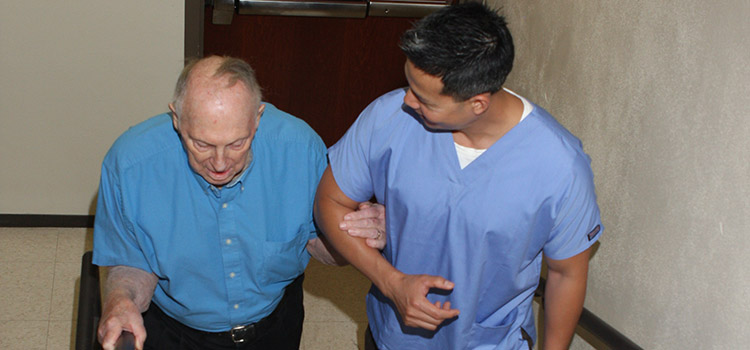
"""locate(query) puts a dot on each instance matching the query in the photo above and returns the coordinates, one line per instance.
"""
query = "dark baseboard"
(43, 220)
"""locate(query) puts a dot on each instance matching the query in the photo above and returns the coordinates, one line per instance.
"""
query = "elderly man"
(478, 182)
(204, 218)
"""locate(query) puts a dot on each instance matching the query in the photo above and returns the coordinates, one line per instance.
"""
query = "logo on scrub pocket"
(594, 232)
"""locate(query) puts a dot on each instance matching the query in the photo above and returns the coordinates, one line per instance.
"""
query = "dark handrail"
(603, 332)
(126, 341)
(89, 305)
(90, 309)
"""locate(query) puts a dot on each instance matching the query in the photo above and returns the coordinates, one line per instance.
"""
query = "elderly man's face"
(217, 126)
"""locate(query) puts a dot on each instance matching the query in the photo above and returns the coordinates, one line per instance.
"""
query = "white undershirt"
(466, 155)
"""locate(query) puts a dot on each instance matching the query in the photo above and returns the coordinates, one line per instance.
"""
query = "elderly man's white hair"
(234, 68)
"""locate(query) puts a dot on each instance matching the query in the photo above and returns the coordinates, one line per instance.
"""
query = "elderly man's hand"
(368, 221)
(121, 314)
(128, 294)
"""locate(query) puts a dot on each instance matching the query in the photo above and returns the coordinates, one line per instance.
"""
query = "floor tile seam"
(24, 319)
(25, 261)
(73, 259)
(57, 319)
(22, 298)
(46, 343)
(54, 277)
(55, 290)
(57, 247)
(70, 317)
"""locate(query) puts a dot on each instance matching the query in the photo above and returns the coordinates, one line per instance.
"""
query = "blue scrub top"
(483, 227)
(223, 256)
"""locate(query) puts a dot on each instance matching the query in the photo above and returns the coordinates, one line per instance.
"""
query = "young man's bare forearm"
(564, 295)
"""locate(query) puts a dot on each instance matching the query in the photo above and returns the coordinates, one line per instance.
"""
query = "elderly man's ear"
(260, 113)
(174, 116)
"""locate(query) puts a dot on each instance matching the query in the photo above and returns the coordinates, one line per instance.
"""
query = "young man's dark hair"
(468, 46)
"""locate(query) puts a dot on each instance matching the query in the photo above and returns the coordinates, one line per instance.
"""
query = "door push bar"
(225, 9)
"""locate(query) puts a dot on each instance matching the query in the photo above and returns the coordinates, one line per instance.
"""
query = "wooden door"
(322, 70)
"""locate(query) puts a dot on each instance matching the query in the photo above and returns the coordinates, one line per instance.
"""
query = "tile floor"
(39, 276)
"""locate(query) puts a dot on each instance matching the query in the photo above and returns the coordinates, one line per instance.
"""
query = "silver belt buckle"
(238, 334)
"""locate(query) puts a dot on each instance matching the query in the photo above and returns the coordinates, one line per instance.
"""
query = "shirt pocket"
(284, 261)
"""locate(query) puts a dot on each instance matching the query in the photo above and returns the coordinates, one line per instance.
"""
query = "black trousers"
(369, 340)
(282, 329)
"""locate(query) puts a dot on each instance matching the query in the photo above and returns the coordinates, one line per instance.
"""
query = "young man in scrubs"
(478, 183)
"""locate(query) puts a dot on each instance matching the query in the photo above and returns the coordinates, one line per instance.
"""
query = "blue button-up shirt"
(222, 256)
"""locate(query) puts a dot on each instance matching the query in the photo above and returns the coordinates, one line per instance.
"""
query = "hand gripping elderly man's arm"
(367, 221)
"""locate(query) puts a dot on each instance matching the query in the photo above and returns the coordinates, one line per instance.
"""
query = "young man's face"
(438, 111)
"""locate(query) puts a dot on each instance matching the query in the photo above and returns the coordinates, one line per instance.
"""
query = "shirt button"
(231, 275)
(224, 205)
(236, 306)
(229, 241)
(242, 188)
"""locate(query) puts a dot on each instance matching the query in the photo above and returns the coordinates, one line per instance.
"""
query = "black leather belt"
(239, 334)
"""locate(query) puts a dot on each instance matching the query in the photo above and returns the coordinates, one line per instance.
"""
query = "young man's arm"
(128, 293)
(406, 291)
(563, 299)
(367, 221)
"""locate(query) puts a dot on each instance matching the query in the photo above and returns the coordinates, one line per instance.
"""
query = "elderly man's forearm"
(324, 252)
(130, 282)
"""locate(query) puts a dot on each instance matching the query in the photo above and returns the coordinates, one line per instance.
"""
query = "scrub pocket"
(284, 261)
(487, 336)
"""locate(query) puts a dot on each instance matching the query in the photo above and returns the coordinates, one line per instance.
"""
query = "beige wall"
(659, 92)
(73, 76)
